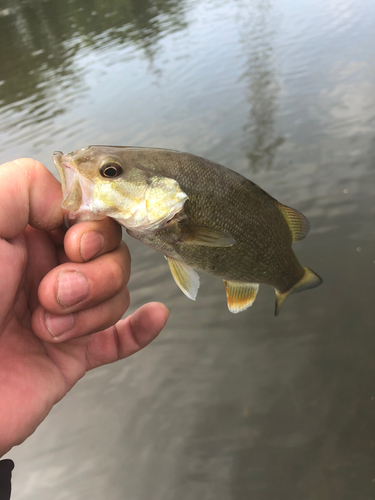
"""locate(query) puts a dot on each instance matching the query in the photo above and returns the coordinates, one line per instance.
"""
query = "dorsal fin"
(298, 224)
(240, 296)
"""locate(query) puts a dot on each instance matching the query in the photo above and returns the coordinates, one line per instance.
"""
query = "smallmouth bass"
(201, 215)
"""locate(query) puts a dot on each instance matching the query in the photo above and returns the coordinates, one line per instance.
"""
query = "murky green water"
(221, 406)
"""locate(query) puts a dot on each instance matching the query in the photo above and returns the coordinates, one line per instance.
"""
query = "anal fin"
(240, 296)
(185, 277)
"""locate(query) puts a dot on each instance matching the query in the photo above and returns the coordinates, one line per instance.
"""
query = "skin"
(71, 283)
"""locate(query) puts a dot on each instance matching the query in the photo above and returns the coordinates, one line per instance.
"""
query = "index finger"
(90, 239)
(29, 194)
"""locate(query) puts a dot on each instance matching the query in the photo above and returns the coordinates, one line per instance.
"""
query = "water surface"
(220, 406)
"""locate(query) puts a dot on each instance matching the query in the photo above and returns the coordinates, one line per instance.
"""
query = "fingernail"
(58, 325)
(91, 244)
(72, 288)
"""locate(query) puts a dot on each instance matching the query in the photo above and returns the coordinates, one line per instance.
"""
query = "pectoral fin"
(185, 277)
(206, 236)
(240, 296)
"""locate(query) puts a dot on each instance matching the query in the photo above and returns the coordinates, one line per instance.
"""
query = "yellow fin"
(185, 277)
(240, 296)
(206, 236)
(298, 224)
(308, 280)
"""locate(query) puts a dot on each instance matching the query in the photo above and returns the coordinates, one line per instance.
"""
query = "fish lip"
(66, 168)
(63, 163)
(57, 155)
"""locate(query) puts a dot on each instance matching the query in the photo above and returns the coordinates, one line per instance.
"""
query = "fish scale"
(201, 215)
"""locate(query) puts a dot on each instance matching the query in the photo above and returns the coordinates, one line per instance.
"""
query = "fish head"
(105, 181)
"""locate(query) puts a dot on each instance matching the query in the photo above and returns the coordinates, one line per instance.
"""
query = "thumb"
(29, 194)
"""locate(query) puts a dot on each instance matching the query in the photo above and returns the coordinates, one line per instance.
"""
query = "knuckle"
(116, 276)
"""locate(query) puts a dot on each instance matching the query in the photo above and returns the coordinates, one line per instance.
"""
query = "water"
(220, 406)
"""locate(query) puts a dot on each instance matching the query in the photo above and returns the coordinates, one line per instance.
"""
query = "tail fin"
(308, 280)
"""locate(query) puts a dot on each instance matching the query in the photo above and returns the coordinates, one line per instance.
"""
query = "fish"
(201, 215)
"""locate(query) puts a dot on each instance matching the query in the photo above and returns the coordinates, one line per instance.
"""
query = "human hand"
(61, 299)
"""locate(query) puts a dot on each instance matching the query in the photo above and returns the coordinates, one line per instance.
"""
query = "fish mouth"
(72, 193)
(77, 190)
(57, 160)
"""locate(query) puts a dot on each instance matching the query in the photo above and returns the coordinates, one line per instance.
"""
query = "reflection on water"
(221, 406)
(257, 26)
(40, 41)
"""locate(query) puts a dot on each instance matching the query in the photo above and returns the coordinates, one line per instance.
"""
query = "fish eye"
(111, 170)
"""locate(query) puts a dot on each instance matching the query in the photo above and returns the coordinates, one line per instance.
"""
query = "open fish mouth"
(57, 160)
(77, 189)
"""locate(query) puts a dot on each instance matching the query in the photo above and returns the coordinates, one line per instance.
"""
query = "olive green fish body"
(220, 222)
(262, 251)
